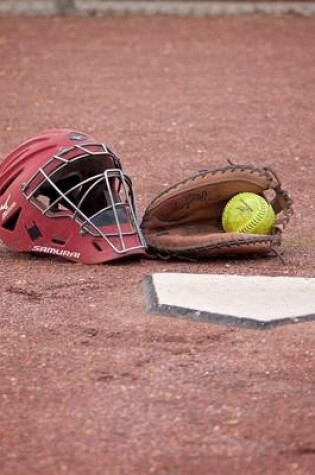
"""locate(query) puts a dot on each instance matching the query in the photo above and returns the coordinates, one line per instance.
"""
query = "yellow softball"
(248, 213)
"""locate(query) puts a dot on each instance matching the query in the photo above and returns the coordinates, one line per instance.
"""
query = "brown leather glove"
(185, 220)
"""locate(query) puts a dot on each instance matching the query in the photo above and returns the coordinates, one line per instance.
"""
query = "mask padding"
(12, 221)
(68, 182)
(47, 194)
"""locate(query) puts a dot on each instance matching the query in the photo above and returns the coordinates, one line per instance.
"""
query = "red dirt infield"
(89, 382)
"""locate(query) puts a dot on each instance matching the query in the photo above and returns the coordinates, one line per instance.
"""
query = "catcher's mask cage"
(79, 205)
(86, 184)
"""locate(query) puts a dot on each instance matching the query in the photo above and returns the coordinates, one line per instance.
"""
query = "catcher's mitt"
(185, 220)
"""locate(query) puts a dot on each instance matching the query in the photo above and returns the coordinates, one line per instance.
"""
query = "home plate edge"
(156, 305)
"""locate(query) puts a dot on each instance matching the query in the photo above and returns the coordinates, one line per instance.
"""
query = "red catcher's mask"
(63, 193)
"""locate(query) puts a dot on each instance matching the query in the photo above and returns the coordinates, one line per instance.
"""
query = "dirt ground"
(90, 383)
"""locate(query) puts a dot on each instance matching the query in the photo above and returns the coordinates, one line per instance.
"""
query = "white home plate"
(257, 301)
